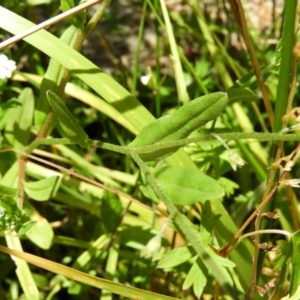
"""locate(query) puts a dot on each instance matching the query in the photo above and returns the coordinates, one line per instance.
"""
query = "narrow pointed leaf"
(295, 260)
(180, 124)
(77, 20)
(68, 123)
(17, 130)
(51, 80)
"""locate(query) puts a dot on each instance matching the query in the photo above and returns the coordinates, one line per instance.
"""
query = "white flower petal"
(292, 182)
(235, 160)
(152, 248)
(6, 67)
(145, 79)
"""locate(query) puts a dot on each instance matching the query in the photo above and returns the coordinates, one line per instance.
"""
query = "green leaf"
(175, 257)
(111, 211)
(295, 262)
(180, 124)
(208, 221)
(22, 270)
(51, 80)
(4, 112)
(25, 227)
(296, 296)
(8, 191)
(17, 130)
(225, 262)
(44, 189)
(68, 123)
(41, 234)
(77, 20)
(185, 186)
(241, 94)
(196, 278)
(228, 185)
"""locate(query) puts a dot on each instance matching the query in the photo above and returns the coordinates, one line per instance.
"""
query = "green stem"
(283, 86)
(170, 144)
(138, 50)
(186, 227)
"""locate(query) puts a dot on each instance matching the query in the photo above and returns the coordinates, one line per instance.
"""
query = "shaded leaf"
(44, 189)
(68, 123)
(77, 20)
(208, 221)
(17, 130)
(295, 262)
(175, 257)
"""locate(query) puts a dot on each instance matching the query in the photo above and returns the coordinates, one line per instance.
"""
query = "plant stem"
(185, 226)
(238, 11)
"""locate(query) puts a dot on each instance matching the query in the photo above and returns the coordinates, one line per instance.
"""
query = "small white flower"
(7, 66)
(235, 160)
(292, 182)
(152, 248)
(145, 79)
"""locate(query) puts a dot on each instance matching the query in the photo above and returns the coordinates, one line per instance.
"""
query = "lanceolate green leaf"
(185, 186)
(51, 80)
(100, 283)
(17, 130)
(68, 123)
(295, 257)
(180, 124)
(102, 83)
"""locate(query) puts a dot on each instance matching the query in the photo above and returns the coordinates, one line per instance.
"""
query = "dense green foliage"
(142, 153)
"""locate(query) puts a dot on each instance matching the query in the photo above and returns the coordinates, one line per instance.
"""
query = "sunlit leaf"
(180, 124)
(185, 186)
(43, 189)
(196, 278)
